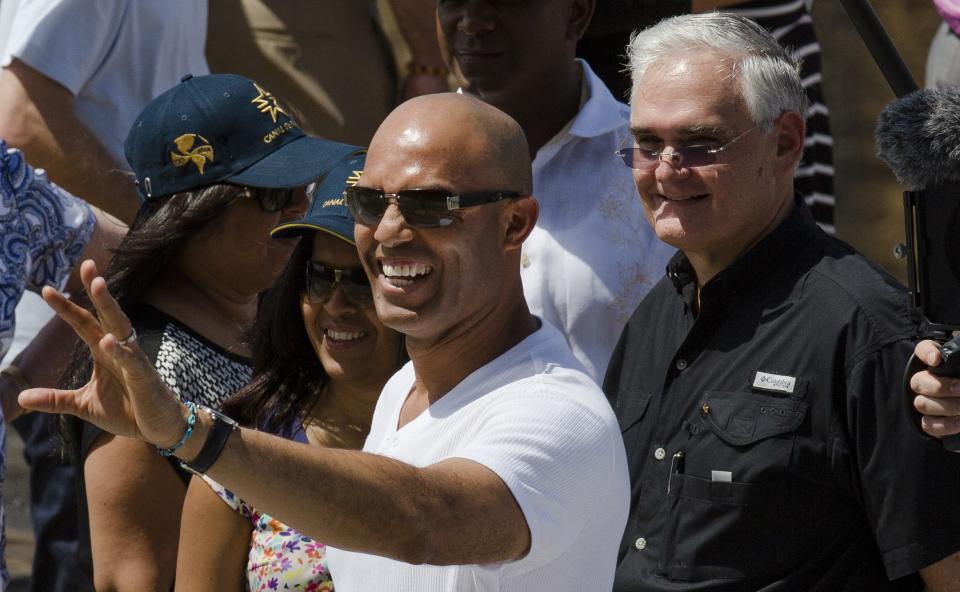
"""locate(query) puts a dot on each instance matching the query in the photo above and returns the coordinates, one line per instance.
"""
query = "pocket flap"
(631, 405)
(740, 418)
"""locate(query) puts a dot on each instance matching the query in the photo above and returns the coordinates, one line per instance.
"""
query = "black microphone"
(918, 136)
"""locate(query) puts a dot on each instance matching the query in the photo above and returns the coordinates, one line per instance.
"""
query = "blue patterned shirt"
(43, 231)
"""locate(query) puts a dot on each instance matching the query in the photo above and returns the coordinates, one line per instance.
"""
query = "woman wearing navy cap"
(321, 357)
(218, 164)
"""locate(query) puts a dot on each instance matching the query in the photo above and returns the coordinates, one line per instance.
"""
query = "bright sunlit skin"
(428, 282)
(444, 287)
(716, 212)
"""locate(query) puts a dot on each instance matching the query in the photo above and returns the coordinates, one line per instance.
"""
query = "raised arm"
(453, 512)
(38, 116)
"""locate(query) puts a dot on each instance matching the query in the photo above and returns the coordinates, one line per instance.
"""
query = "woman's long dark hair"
(287, 375)
(155, 239)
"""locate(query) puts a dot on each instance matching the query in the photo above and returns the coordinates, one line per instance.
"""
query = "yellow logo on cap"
(353, 179)
(267, 103)
(198, 155)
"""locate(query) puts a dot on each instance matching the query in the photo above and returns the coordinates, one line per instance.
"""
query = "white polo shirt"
(536, 420)
(592, 256)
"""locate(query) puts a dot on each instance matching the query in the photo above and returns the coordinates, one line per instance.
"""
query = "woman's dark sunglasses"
(426, 208)
(321, 282)
(273, 200)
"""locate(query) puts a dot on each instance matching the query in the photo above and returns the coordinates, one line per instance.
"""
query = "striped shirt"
(790, 22)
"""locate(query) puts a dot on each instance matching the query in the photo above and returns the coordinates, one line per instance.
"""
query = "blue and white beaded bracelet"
(191, 421)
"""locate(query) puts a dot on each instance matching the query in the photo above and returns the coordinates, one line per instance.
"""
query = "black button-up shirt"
(768, 440)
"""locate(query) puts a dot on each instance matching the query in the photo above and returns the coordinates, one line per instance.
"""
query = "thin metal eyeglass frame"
(674, 158)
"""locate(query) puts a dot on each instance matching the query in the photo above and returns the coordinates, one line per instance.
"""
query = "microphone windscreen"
(918, 136)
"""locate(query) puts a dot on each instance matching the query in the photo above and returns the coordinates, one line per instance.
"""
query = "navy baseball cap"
(223, 128)
(328, 212)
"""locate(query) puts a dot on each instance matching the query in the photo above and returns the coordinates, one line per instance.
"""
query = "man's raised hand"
(125, 395)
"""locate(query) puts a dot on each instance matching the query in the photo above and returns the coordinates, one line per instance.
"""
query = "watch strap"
(217, 438)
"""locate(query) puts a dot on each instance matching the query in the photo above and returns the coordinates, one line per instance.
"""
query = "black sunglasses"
(426, 208)
(274, 199)
(322, 280)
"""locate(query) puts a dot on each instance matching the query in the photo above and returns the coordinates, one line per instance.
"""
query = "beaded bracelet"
(191, 421)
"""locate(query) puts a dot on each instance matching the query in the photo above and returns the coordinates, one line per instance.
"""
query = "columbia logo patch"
(775, 383)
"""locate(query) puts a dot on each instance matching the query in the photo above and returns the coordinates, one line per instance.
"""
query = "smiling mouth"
(343, 336)
(685, 198)
(405, 275)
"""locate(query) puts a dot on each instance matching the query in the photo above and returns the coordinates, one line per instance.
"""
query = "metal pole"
(878, 41)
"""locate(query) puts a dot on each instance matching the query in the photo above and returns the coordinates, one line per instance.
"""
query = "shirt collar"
(601, 113)
(765, 257)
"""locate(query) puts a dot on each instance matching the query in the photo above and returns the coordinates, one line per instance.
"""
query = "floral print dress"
(280, 557)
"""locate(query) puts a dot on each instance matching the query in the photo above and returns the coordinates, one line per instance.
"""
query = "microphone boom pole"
(877, 40)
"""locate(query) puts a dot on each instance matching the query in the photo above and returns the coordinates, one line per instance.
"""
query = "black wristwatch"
(223, 426)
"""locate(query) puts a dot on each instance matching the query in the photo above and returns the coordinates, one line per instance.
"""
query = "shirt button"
(640, 544)
(525, 261)
(659, 454)
(681, 364)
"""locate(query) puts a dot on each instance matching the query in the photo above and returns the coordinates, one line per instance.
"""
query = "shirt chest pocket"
(745, 420)
(731, 510)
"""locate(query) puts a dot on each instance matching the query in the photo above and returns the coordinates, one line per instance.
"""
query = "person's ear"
(791, 130)
(520, 217)
(581, 13)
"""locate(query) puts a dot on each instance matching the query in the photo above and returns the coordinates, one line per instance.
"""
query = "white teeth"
(343, 335)
(408, 271)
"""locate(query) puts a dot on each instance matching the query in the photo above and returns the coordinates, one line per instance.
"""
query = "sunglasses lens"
(318, 287)
(354, 283)
(359, 294)
(425, 207)
(639, 158)
(696, 156)
(365, 204)
(274, 200)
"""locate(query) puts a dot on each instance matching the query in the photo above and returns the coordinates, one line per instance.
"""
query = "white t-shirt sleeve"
(65, 40)
(556, 456)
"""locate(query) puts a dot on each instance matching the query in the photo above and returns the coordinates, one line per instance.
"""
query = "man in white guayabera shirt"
(493, 461)
(592, 256)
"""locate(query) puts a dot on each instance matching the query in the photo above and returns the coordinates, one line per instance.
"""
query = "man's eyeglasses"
(426, 208)
(644, 159)
(321, 281)
(273, 200)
